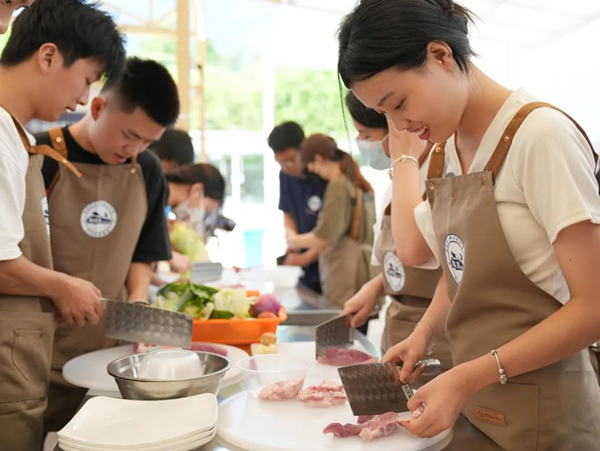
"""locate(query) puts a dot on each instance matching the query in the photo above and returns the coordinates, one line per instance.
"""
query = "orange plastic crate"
(235, 331)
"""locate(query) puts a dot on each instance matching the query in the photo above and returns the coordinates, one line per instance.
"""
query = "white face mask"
(373, 153)
(192, 215)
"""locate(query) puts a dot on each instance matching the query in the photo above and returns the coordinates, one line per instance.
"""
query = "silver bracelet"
(431, 346)
(404, 159)
(503, 378)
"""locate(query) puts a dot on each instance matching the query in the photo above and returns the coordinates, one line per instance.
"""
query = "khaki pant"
(25, 350)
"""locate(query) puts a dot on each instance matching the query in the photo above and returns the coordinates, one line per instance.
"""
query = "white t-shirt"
(546, 184)
(387, 200)
(13, 170)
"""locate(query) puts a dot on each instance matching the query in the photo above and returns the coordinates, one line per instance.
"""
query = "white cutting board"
(248, 423)
(255, 425)
(89, 370)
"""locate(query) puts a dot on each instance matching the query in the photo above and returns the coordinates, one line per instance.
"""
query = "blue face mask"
(373, 153)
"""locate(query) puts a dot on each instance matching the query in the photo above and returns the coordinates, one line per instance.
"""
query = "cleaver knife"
(375, 388)
(144, 324)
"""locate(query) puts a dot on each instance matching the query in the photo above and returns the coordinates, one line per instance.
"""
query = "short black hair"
(78, 28)
(207, 174)
(286, 135)
(384, 34)
(148, 85)
(175, 145)
(363, 115)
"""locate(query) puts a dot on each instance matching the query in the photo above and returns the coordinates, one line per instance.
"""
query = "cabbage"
(234, 301)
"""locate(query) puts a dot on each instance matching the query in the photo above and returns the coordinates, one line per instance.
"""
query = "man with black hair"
(109, 226)
(301, 198)
(56, 50)
(174, 149)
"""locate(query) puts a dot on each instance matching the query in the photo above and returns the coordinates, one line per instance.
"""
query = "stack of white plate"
(105, 424)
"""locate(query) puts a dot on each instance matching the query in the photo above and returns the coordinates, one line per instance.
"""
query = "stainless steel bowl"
(125, 371)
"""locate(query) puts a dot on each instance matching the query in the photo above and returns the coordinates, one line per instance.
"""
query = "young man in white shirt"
(57, 49)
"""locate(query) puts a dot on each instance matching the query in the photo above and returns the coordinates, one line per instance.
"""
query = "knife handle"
(433, 367)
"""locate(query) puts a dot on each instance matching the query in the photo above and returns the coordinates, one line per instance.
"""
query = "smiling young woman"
(523, 253)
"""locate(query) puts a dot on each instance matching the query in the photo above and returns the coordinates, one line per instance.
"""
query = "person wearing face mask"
(512, 216)
(195, 190)
(108, 226)
(372, 140)
(410, 289)
(344, 231)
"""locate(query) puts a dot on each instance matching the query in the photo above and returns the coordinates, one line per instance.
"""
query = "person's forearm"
(411, 247)
(376, 284)
(310, 241)
(437, 312)
(21, 277)
(309, 256)
(138, 281)
(572, 328)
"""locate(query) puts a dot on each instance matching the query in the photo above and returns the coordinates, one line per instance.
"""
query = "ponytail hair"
(326, 147)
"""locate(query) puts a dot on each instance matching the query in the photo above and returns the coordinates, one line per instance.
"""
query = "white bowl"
(286, 276)
(268, 369)
(171, 364)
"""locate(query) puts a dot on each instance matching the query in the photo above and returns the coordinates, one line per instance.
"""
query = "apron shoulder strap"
(45, 150)
(133, 164)
(57, 138)
(436, 162)
(505, 143)
(355, 230)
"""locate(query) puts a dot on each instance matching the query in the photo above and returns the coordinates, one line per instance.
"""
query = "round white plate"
(89, 370)
(188, 444)
(253, 425)
(117, 423)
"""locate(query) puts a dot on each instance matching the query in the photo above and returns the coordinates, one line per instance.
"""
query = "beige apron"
(27, 324)
(410, 290)
(95, 224)
(493, 302)
(339, 264)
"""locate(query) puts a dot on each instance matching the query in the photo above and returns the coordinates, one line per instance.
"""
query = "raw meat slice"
(380, 426)
(345, 357)
(344, 430)
(281, 391)
(365, 418)
(326, 394)
(372, 429)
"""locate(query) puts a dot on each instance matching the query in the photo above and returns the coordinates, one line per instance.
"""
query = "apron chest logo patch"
(455, 257)
(393, 272)
(46, 214)
(98, 219)
(315, 204)
(490, 416)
